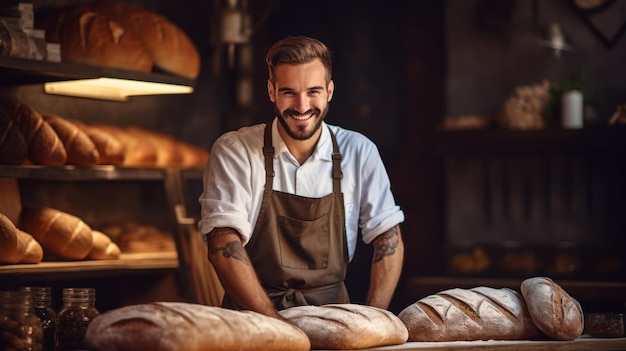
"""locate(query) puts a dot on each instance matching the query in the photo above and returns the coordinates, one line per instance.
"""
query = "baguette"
(174, 326)
(59, 233)
(17, 246)
(554, 311)
(103, 248)
(137, 152)
(43, 146)
(110, 149)
(347, 326)
(480, 313)
(12, 144)
(166, 147)
(193, 156)
(81, 151)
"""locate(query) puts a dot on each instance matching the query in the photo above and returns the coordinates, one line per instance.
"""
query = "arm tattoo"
(386, 244)
(233, 249)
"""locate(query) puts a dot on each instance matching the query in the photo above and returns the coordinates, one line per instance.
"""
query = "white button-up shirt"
(234, 180)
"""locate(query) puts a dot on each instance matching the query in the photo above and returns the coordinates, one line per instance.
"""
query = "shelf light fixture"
(114, 89)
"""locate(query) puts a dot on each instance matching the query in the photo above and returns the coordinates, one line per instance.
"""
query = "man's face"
(300, 98)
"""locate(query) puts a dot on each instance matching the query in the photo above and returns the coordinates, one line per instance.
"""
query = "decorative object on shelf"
(526, 107)
(591, 5)
(467, 122)
(552, 36)
(619, 117)
(572, 109)
(606, 18)
(555, 40)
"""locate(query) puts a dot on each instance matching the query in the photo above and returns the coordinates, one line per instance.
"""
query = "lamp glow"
(113, 88)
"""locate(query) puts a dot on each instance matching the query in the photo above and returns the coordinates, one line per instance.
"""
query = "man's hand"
(235, 271)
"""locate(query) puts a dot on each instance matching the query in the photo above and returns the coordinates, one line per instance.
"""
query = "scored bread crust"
(552, 309)
(80, 149)
(347, 326)
(58, 232)
(17, 246)
(480, 313)
(175, 326)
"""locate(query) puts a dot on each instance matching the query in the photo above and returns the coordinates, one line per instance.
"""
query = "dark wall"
(494, 47)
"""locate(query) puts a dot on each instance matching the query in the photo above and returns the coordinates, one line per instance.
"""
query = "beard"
(300, 132)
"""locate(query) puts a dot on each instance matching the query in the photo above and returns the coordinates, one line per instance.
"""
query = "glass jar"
(42, 297)
(79, 309)
(20, 328)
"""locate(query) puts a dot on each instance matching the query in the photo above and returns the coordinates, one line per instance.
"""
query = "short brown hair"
(298, 50)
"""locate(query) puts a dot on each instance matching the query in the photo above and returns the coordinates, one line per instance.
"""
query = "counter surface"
(580, 344)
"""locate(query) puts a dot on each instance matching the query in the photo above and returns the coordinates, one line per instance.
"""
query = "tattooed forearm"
(386, 244)
(232, 249)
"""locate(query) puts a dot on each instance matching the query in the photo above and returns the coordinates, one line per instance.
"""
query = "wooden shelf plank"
(128, 261)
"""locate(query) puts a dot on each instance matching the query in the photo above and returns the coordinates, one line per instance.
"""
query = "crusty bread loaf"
(43, 146)
(193, 156)
(137, 152)
(480, 313)
(167, 148)
(175, 326)
(168, 45)
(17, 246)
(110, 150)
(132, 237)
(81, 150)
(12, 144)
(91, 38)
(103, 248)
(552, 309)
(58, 232)
(347, 326)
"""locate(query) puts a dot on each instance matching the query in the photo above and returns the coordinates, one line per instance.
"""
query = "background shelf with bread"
(98, 49)
(83, 200)
(115, 193)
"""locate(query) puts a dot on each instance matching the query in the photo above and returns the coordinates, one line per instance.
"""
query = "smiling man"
(285, 202)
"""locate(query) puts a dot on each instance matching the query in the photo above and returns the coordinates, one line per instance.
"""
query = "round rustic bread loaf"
(480, 313)
(170, 47)
(552, 309)
(347, 326)
(89, 37)
(176, 326)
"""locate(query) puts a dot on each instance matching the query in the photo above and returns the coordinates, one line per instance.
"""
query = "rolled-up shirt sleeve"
(226, 194)
(378, 210)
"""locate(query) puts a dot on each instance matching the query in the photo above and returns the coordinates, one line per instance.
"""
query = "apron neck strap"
(336, 156)
(268, 152)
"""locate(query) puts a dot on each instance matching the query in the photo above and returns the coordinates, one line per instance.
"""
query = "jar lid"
(15, 300)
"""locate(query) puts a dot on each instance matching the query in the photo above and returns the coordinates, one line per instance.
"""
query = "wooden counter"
(580, 344)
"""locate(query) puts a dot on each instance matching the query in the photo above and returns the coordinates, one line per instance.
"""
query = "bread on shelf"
(17, 246)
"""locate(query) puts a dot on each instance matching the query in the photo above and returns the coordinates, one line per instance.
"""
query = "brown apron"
(298, 246)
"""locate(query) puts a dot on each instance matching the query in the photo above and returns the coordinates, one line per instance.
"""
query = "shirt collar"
(323, 149)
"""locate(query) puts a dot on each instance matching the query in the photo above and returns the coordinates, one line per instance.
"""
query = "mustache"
(288, 112)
